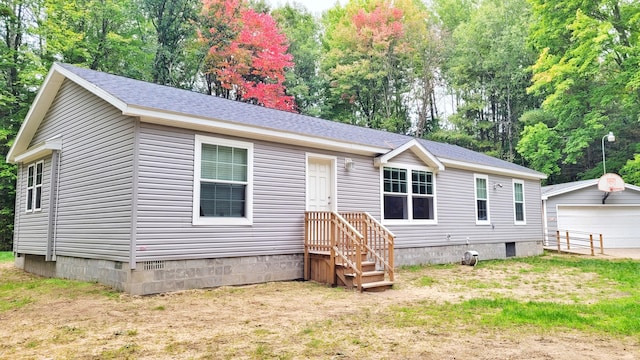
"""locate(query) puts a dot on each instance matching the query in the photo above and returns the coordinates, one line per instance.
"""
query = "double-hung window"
(223, 182)
(482, 199)
(34, 186)
(518, 201)
(408, 194)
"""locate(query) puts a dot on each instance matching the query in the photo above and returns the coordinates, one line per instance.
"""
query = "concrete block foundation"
(454, 253)
(152, 277)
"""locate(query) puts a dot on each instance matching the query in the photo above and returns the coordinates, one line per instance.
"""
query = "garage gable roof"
(559, 189)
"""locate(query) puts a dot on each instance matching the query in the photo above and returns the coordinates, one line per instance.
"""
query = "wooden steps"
(372, 280)
(350, 249)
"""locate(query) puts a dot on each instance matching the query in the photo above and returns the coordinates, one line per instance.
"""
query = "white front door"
(320, 195)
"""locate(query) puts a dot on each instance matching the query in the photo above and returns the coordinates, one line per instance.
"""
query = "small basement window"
(510, 248)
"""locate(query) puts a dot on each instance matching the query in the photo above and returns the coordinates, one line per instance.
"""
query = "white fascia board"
(424, 155)
(632, 187)
(36, 113)
(247, 131)
(580, 185)
(42, 103)
(492, 170)
(39, 151)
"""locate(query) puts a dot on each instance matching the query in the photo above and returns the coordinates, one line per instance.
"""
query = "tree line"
(535, 82)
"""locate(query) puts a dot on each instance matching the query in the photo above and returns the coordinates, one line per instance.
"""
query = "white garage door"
(619, 225)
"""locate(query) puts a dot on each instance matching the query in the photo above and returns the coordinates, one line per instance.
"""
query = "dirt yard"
(300, 320)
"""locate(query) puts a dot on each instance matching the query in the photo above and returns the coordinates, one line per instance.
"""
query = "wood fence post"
(558, 238)
(591, 244)
(601, 247)
(568, 245)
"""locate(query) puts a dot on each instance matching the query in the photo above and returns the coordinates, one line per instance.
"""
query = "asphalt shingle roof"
(165, 98)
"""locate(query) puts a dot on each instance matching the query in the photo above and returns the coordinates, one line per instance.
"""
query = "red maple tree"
(247, 55)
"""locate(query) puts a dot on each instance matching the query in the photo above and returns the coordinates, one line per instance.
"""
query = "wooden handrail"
(329, 232)
(346, 237)
(378, 240)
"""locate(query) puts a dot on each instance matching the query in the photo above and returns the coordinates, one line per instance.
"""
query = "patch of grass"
(262, 332)
(6, 256)
(67, 334)
(18, 289)
(159, 308)
(426, 281)
(125, 352)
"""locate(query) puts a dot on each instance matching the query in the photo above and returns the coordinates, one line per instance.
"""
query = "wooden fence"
(574, 241)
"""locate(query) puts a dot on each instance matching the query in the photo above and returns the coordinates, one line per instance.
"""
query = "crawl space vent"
(153, 265)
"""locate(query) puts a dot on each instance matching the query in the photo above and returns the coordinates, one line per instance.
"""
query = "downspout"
(17, 210)
(52, 221)
(134, 195)
(545, 223)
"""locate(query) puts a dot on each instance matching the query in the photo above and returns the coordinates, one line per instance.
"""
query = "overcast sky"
(315, 6)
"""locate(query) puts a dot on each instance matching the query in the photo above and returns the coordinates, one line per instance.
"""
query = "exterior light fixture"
(610, 138)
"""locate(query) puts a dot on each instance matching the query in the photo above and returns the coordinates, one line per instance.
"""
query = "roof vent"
(470, 258)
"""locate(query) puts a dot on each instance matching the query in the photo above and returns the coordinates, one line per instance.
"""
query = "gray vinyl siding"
(359, 188)
(165, 198)
(456, 216)
(165, 201)
(586, 196)
(30, 231)
(95, 182)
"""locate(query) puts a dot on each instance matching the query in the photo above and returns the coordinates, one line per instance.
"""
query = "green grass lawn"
(617, 314)
(6, 256)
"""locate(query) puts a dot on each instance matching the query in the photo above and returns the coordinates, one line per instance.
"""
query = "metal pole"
(604, 166)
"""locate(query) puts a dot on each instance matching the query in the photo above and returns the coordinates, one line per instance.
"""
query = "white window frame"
(34, 187)
(409, 194)
(197, 219)
(524, 201)
(475, 196)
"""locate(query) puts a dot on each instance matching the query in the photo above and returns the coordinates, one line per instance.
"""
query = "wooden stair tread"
(367, 273)
(377, 284)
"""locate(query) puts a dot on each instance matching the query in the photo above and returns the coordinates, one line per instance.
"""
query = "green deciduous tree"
(630, 172)
(368, 61)
(20, 73)
(487, 69)
(106, 35)
(175, 33)
(302, 80)
(587, 72)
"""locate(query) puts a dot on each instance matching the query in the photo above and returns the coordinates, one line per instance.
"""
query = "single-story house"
(149, 188)
(580, 206)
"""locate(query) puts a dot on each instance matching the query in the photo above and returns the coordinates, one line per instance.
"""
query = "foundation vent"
(153, 265)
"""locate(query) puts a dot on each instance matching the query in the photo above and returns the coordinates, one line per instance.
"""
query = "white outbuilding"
(581, 207)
